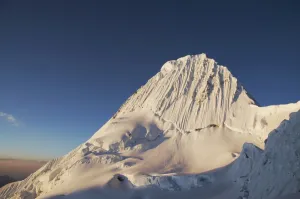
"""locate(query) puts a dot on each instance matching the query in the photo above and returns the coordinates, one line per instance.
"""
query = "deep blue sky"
(67, 66)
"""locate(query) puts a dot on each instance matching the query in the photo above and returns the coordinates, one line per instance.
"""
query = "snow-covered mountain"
(182, 134)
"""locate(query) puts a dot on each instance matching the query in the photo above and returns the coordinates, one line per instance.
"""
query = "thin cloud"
(10, 118)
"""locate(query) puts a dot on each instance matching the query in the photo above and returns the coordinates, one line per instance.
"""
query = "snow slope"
(182, 131)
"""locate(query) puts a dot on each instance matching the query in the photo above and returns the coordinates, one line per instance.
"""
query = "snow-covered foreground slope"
(182, 134)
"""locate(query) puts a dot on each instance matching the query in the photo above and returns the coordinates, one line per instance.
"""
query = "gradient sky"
(67, 66)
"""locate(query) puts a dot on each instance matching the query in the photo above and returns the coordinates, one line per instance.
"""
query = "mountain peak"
(186, 89)
(201, 56)
(188, 60)
(169, 65)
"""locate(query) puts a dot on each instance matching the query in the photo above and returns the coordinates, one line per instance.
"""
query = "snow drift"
(182, 134)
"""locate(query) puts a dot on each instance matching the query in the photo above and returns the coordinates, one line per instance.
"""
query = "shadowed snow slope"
(182, 134)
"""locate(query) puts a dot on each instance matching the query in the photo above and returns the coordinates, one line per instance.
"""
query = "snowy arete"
(191, 131)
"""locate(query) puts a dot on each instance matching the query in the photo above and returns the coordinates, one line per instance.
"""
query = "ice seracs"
(184, 130)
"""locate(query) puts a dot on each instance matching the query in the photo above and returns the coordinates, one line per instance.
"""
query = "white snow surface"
(191, 131)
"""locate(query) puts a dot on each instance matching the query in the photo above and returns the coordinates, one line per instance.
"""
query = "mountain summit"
(188, 88)
(184, 129)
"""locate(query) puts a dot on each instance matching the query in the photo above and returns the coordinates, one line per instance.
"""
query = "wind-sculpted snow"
(192, 92)
(193, 130)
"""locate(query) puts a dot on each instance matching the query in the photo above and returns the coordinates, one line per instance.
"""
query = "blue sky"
(67, 66)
